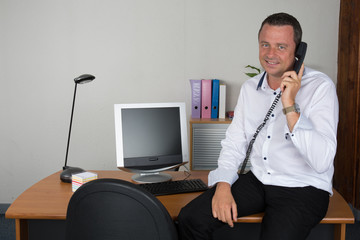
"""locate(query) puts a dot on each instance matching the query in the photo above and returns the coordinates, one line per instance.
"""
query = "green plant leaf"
(254, 68)
(251, 74)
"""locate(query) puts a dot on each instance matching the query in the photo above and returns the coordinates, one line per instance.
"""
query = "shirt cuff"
(302, 123)
(222, 175)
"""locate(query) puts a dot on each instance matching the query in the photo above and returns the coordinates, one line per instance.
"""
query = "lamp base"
(66, 175)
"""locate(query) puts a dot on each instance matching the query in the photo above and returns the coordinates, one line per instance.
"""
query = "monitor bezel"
(119, 134)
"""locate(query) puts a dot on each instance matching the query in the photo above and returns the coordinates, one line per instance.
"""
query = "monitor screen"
(150, 137)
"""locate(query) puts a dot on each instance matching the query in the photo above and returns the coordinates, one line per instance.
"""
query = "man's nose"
(271, 52)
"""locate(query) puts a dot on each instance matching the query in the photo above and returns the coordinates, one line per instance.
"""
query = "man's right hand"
(223, 204)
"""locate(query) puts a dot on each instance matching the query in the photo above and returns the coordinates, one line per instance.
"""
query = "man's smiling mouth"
(271, 62)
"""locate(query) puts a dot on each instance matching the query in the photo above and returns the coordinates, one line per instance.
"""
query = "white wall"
(139, 51)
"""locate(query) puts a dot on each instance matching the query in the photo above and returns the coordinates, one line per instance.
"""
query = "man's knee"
(190, 215)
(184, 215)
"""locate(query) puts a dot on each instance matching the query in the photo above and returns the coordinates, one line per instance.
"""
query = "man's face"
(276, 49)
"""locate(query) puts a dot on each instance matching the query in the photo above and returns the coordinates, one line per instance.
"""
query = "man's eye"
(281, 47)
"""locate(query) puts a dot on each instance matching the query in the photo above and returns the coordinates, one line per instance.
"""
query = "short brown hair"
(282, 19)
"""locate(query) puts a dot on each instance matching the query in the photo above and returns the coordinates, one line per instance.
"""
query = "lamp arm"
(71, 119)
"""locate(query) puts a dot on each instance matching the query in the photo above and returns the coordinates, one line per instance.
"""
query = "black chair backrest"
(113, 209)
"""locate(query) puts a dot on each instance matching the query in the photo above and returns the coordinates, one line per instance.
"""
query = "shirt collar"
(263, 76)
(261, 81)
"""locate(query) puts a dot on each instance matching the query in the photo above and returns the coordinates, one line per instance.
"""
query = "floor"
(7, 229)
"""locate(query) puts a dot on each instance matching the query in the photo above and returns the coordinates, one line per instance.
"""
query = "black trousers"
(290, 213)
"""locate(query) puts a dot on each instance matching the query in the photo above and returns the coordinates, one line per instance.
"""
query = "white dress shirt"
(303, 157)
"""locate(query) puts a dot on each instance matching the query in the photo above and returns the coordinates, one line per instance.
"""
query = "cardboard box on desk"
(82, 178)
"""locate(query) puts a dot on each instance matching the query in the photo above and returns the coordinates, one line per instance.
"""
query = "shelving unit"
(205, 142)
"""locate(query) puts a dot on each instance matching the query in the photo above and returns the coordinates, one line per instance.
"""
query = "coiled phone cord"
(300, 55)
(267, 116)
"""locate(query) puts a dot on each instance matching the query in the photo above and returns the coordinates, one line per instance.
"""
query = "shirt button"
(268, 136)
(274, 93)
(265, 158)
(268, 173)
(273, 115)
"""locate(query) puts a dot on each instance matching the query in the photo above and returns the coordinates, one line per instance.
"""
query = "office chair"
(113, 209)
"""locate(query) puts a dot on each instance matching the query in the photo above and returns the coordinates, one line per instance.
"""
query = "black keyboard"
(174, 187)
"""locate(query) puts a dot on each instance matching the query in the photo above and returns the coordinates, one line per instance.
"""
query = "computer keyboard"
(174, 187)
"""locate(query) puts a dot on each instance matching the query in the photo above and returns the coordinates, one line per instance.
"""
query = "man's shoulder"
(312, 73)
(312, 76)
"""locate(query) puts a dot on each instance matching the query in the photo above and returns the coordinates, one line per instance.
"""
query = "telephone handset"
(299, 59)
(300, 56)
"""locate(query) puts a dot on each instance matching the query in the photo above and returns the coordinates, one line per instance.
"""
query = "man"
(292, 157)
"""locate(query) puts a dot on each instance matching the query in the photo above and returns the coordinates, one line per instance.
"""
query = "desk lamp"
(67, 172)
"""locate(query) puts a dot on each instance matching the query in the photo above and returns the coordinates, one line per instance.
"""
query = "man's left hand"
(290, 86)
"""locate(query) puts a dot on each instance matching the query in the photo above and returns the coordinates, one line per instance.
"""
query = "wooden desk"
(49, 198)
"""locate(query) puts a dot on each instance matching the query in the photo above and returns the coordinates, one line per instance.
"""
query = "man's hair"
(282, 19)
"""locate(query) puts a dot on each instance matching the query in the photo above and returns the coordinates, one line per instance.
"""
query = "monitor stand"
(151, 177)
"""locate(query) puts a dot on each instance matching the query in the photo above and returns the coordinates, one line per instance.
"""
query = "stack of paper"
(82, 178)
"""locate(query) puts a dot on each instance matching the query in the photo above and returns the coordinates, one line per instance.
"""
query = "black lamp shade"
(84, 78)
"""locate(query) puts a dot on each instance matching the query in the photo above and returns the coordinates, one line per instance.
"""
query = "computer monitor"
(151, 138)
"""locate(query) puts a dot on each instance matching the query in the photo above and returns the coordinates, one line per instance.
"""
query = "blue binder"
(215, 98)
